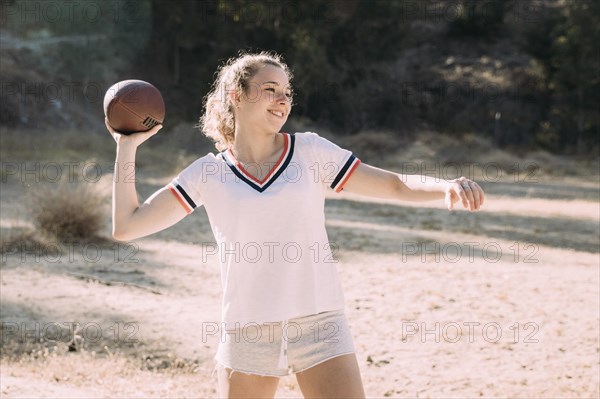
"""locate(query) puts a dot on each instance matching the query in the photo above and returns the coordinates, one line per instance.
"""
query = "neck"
(254, 147)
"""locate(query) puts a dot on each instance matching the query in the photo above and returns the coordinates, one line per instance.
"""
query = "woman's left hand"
(465, 190)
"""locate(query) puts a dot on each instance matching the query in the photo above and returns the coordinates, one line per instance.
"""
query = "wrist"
(446, 184)
(126, 145)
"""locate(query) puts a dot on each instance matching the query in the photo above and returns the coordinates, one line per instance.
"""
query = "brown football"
(133, 106)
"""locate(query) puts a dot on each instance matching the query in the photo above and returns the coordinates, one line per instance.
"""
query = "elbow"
(120, 235)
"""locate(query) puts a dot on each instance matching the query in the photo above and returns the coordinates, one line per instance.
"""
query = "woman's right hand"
(130, 219)
(135, 139)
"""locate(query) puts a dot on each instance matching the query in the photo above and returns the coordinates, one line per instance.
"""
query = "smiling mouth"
(277, 113)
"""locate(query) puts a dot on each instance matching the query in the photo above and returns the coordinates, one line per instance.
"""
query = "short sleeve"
(334, 164)
(187, 186)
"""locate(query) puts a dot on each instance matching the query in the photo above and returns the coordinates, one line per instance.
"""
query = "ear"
(234, 98)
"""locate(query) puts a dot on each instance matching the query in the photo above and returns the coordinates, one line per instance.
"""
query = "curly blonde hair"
(218, 119)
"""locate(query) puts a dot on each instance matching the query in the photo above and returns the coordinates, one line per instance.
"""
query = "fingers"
(476, 197)
(153, 131)
(480, 191)
(461, 190)
(137, 138)
(113, 132)
(140, 137)
(110, 129)
(469, 192)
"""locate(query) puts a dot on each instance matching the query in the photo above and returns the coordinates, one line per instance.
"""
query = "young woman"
(264, 193)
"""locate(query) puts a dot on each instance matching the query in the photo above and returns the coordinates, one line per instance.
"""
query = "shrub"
(69, 211)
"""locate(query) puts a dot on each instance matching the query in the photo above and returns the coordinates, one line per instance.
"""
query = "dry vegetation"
(69, 211)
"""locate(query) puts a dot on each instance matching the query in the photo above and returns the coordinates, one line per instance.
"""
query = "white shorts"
(281, 348)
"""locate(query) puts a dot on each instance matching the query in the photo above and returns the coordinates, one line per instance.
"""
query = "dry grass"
(90, 374)
(69, 211)
(137, 355)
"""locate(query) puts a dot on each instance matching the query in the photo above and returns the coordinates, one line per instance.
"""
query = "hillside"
(498, 70)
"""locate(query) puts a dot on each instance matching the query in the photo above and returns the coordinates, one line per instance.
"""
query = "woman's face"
(267, 102)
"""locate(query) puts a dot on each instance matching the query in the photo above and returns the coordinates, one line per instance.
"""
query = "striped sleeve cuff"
(345, 173)
(182, 196)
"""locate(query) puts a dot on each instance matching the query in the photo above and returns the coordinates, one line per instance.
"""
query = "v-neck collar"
(261, 185)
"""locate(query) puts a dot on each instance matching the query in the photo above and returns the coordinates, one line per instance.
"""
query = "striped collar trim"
(245, 175)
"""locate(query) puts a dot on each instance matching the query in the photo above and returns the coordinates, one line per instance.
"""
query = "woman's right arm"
(130, 219)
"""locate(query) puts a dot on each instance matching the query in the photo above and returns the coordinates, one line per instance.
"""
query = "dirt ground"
(499, 303)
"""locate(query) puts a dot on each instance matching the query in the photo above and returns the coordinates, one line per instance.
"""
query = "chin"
(282, 123)
(277, 126)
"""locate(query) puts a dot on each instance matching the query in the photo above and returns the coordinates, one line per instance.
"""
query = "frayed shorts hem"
(263, 374)
(323, 361)
(234, 370)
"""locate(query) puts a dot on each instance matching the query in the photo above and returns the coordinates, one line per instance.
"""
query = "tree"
(576, 81)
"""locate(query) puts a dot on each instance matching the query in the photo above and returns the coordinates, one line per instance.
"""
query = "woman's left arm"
(374, 182)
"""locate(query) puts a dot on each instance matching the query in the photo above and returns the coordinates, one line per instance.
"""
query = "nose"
(281, 98)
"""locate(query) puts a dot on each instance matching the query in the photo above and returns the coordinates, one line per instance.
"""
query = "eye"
(271, 89)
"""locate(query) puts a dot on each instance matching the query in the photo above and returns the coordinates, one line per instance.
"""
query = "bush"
(69, 211)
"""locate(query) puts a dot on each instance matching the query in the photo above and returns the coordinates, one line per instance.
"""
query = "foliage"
(566, 45)
(478, 17)
(360, 65)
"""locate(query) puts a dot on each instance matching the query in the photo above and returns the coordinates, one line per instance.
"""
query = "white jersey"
(274, 253)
